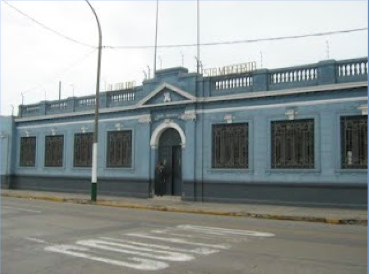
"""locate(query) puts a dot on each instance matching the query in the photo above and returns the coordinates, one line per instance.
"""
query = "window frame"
(310, 165)
(108, 162)
(342, 153)
(88, 162)
(21, 152)
(61, 151)
(246, 147)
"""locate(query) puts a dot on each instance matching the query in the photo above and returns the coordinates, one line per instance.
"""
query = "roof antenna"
(261, 59)
(327, 48)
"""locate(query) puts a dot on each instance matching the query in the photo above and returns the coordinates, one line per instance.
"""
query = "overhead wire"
(59, 74)
(244, 41)
(46, 27)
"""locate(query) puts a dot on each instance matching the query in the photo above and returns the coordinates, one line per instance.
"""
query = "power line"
(244, 41)
(59, 74)
(46, 27)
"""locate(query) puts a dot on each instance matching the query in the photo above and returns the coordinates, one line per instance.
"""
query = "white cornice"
(192, 113)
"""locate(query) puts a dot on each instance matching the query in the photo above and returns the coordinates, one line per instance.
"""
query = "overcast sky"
(34, 59)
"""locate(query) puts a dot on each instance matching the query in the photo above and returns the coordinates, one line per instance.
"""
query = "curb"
(194, 211)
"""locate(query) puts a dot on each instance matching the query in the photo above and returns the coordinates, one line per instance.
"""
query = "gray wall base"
(299, 194)
(105, 186)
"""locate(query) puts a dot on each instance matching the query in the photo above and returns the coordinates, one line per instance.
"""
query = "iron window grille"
(293, 144)
(28, 151)
(230, 146)
(354, 142)
(119, 153)
(54, 151)
(83, 149)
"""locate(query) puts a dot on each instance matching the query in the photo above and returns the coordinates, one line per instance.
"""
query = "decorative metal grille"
(293, 144)
(54, 151)
(83, 149)
(354, 141)
(119, 153)
(28, 151)
(230, 146)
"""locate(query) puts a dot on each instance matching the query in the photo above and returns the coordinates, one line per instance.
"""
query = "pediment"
(166, 94)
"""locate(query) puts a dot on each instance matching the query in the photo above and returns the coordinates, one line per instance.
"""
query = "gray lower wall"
(6, 181)
(302, 194)
(105, 186)
(343, 195)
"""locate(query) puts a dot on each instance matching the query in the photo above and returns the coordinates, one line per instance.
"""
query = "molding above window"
(229, 118)
(363, 109)
(291, 113)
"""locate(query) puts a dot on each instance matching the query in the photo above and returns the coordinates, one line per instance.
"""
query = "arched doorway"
(170, 153)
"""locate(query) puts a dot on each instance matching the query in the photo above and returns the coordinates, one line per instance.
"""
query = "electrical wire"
(244, 41)
(46, 27)
(59, 74)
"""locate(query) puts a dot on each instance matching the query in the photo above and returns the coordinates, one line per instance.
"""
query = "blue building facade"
(294, 135)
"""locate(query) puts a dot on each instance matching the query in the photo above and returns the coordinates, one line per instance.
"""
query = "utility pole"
(59, 90)
(156, 38)
(94, 147)
(198, 37)
(148, 68)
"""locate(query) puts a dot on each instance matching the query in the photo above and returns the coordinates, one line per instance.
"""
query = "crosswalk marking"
(130, 249)
(176, 240)
(148, 254)
(142, 264)
(225, 231)
(199, 250)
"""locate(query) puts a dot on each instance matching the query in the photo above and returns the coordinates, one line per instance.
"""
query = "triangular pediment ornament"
(164, 92)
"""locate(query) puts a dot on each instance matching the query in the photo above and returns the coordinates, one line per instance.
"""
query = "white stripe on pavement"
(130, 249)
(176, 240)
(21, 209)
(225, 231)
(202, 251)
(142, 264)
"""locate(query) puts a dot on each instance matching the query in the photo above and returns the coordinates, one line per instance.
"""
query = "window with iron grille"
(54, 151)
(293, 144)
(354, 141)
(230, 146)
(119, 153)
(83, 149)
(28, 151)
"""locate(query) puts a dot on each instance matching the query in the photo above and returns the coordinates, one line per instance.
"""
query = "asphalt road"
(46, 237)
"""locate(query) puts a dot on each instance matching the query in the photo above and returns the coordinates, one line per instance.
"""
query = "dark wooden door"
(169, 154)
(176, 170)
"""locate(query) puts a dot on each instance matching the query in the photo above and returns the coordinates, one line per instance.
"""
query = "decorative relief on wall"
(145, 119)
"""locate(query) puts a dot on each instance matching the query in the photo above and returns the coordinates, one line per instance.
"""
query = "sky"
(34, 59)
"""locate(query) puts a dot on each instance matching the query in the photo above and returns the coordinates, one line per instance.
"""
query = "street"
(47, 237)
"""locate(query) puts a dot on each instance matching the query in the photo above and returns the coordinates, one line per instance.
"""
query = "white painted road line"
(143, 264)
(225, 231)
(21, 209)
(130, 249)
(36, 240)
(176, 240)
(199, 250)
(156, 253)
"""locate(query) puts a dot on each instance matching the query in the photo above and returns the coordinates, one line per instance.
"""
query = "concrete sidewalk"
(174, 204)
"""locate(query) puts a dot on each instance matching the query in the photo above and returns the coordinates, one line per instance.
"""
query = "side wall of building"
(7, 146)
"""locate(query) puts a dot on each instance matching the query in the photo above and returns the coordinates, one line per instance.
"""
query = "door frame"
(154, 153)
